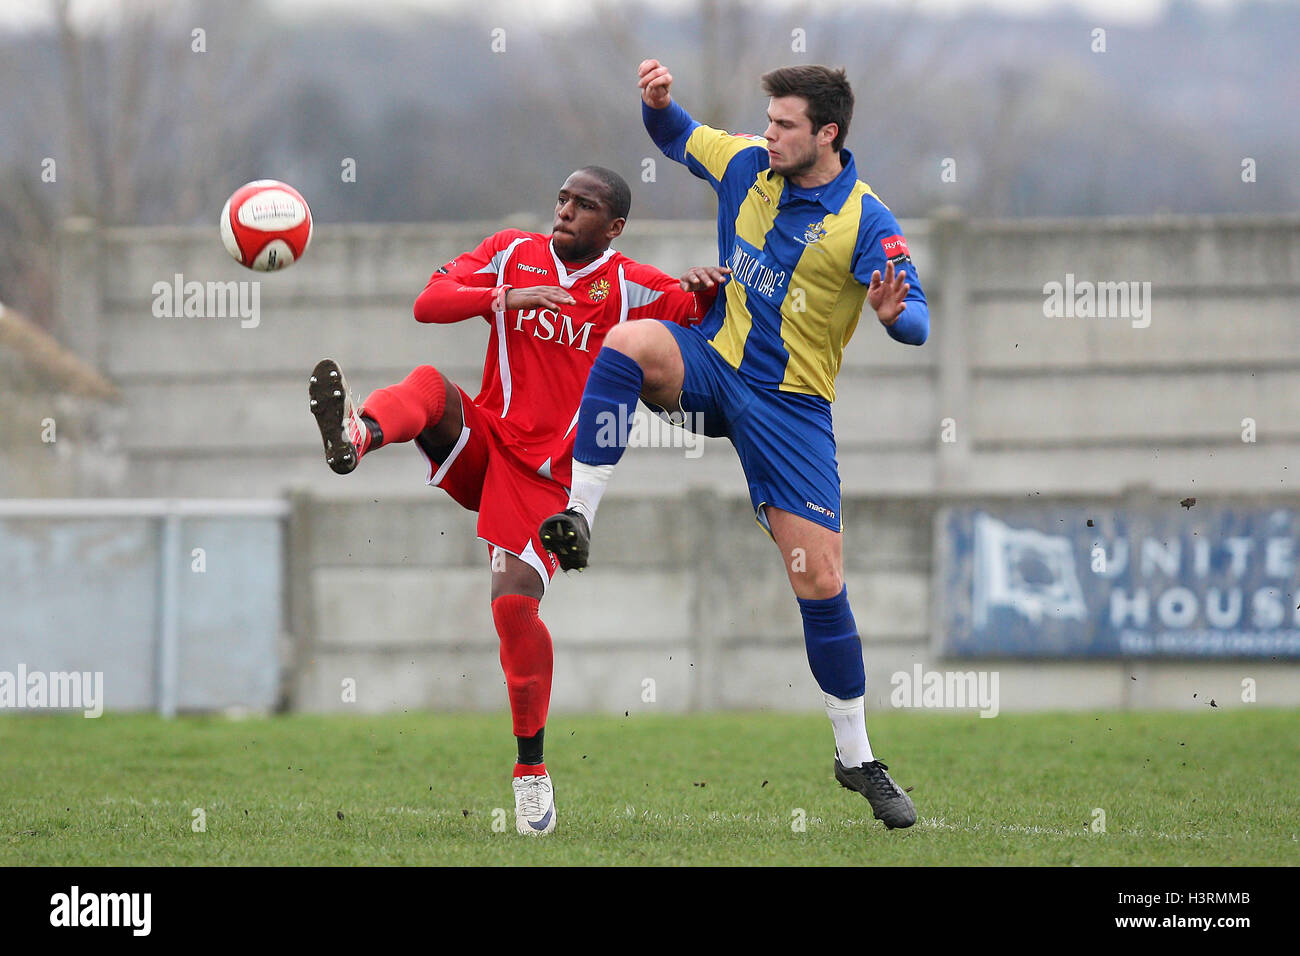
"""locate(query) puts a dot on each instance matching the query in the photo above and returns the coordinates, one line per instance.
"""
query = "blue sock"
(608, 404)
(834, 649)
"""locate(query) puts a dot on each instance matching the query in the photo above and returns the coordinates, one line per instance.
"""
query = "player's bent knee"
(629, 339)
(818, 584)
(654, 349)
(513, 577)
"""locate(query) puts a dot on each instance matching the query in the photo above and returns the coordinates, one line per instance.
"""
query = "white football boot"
(534, 804)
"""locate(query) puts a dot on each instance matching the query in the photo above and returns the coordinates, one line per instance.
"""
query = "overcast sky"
(26, 13)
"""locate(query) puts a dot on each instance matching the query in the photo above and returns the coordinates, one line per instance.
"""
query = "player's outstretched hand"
(699, 278)
(539, 297)
(654, 81)
(887, 296)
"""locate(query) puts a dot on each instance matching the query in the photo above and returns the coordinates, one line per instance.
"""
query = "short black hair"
(829, 96)
(617, 192)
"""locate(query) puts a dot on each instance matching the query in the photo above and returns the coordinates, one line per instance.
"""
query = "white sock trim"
(849, 722)
(839, 705)
(589, 483)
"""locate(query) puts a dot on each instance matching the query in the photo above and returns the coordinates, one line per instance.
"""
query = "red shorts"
(511, 499)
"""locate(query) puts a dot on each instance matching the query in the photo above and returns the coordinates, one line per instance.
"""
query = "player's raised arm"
(668, 124)
(655, 83)
(707, 152)
(883, 264)
(468, 285)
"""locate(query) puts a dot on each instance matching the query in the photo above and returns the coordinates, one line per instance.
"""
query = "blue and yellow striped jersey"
(801, 259)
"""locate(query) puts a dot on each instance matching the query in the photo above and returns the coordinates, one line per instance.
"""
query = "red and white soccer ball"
(266, 225)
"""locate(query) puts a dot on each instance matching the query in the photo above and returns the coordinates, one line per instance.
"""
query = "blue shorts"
(785, 439)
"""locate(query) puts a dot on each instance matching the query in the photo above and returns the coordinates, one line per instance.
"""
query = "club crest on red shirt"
(598, 290)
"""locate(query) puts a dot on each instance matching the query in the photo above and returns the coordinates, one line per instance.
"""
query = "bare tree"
(144, 116)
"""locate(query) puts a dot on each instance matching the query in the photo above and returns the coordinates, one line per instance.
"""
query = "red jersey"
(537, 359)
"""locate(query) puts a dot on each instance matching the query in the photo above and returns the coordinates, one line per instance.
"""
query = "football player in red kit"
(507, 453)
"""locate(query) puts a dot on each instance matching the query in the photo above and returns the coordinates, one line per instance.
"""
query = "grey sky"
(27, 13)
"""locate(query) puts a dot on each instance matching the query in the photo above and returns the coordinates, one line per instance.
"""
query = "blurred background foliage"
(448, 118)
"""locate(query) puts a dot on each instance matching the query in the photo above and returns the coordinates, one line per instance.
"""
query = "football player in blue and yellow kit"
(806, 244)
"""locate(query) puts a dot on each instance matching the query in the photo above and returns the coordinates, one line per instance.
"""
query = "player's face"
(584, 225)
(792, 146)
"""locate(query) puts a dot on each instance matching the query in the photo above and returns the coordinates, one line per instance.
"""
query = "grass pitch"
(1212, 788)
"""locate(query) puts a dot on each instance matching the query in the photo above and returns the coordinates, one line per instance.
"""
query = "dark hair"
(617, 192)
(830, 99)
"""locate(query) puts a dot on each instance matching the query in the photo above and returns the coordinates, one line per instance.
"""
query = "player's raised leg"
(424, 404)
(814, 562)
(527, 659)
(638, 360)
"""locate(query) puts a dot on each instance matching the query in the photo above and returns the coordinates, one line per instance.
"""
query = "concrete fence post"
(79, 291)
(300, 605)
(168, 644)
(950, 323)
(703, 509)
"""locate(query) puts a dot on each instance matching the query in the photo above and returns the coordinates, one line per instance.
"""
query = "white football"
(266, 225)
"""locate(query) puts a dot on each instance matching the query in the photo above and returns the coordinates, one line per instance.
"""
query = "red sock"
(404, 410)
(526, 658)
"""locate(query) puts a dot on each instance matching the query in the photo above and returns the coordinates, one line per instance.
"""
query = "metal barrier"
(169, 514)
